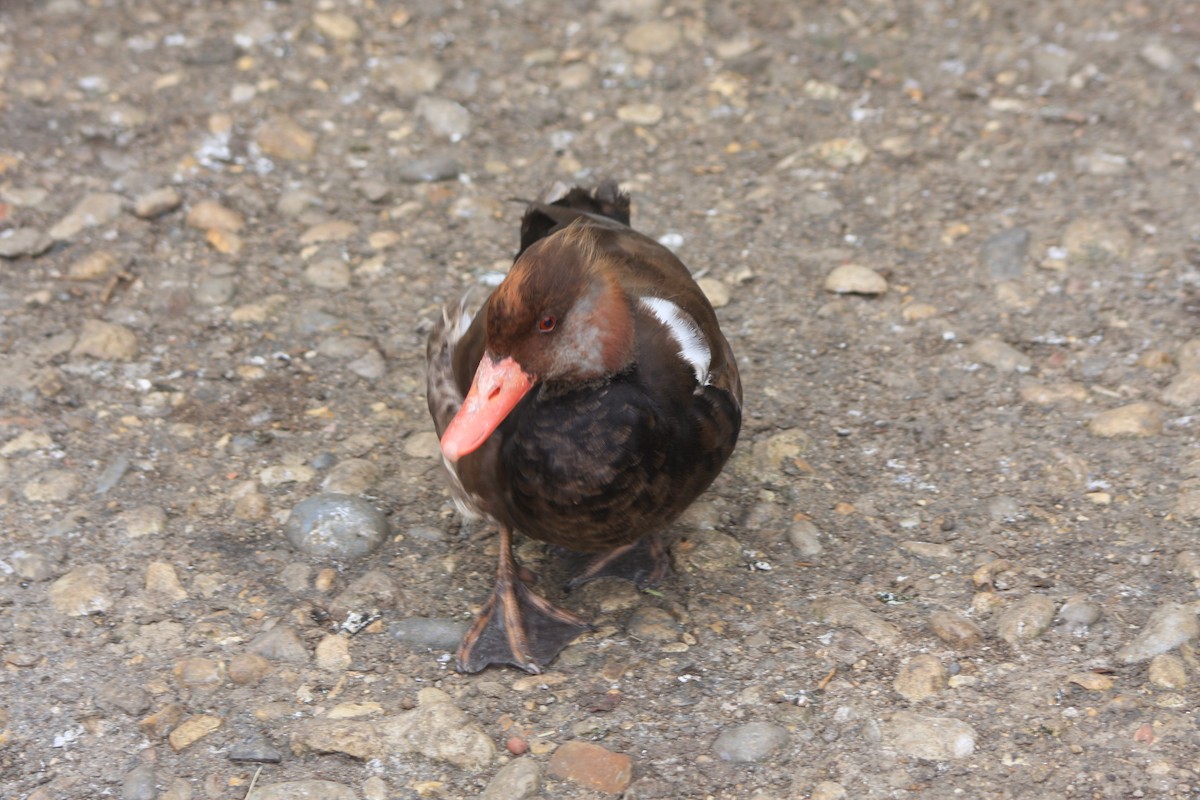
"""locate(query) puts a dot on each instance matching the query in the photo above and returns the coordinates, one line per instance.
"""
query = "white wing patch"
(684, 330)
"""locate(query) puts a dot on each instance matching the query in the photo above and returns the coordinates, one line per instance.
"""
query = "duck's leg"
(644, 562)
(517, 626)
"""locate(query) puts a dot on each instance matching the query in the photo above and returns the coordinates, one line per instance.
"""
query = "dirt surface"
(954, 554)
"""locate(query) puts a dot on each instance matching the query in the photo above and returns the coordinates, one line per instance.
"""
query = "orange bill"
(495, 391)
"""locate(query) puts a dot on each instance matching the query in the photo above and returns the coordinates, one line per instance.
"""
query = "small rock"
(707, 551)
(248, 668)
(82, 591)
(591, 766)
(93, 266)
(156, 203)
(716, 291)
(423, 444)
(254, 749)
(330, 273)
(1050, 394)
(1136, 420)
(1169, 626)
(1101, 163)
(517, 780)
(333, 653)
(120, 695)
(1188, 356)
(436, 729)
(652, 624)
(1078, 614)
(1004, 253)
(750, 743)
(652, 38)
(336, 526)
(282, 137)
(304, 790)
(828, 790)
(915, 312)
(143, 521)
(930, 550)
(352, 476)
(372, 591)
(445, 117)
(805, 538)
(929, 738)
(1053, 62)
(52, 486)
(429, 169)
(177, 789)
(432, 632)
(1092, 681)
(211, 215)
(370, 365)
(641, 113)
(1093, 238)
(162, 581)
(106, 341)
(192, 730)
(139, 784)
(34, 565)
(281, 474)
(18, 242)
(847, 613)
(281, 643)
(1184, 391)
(341, 27)
(334, 230)
(90, 212)
(199, 673)
(955, 630)
(1026, 619)
(999, 355)
(1159, 56)
(1168, 671)
(27, 442)
(855, 279)
(922, 677)
(842, 153)
(411, 76)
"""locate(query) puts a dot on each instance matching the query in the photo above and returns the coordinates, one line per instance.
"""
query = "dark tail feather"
(544, 217)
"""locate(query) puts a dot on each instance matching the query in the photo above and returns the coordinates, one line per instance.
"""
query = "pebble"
(411, 76)
(1092, 681)
(1159, 56)
(653, 624)
(828, 790)
(341, 27)
(18, 242)
(707, 551)
(955, 630)
(106, 341)
(915, 312)
(370, 365)
(199, 673)
(370, 592)
(591, 766)
(246, 669)
(333, 653)
(847, 613)
(93, 210)
(215, 285)
(154, 204)
(436, 729)
(282, 474)
(1093, 238)
(750, 743)
(1078, 614)
(177, 789)
(999, 355)
(1053, 62)
(1169, 626)
(641, 113)
(841, 153)
(337, 526)
(192, 730)
(1168, 671)
(1101, 163)
(805, 538)
(328, 273)
(922, 677)
(445, 117)
(333, 230)
(282, 137)
(82, 591)
(1026, 619)
(423, 444)
(1188, 562)
(281, 643)
(519, 779)
(143, 521)
(1136, 420)
(139, 783)
(352, 476)
(855, 279)
(52, 486)
(255, 749)
(121, 695)
(93, 266)
(27, 442)
(375, 788)
(1004, 253)
(34, 565)
(716, 291)
(929, 738)
(163, 581)
(436, 633)
(209, 215)
(1188, 356)
(1042, 394)
(304, 790)
(1183, 391)
(652, 38)
(429, 169)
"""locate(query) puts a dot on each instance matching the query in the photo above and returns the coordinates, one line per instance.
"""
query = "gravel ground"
(957, 251)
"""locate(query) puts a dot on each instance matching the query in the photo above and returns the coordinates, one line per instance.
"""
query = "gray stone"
(82, 591)
(752, 742)
(429, 169)
(1169, 626)
(1004, 253)
(336, 526)
(304, 790)
(17, 242)
(1026, 619)
(516, 780)
(139, 784)
(930, 738)
(92, 211)
(445, 117)
(432, 632)
(281, 643)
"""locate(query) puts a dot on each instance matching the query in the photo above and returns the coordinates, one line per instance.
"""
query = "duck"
(589, 400)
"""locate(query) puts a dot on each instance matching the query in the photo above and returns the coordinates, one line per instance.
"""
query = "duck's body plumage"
(630, 403)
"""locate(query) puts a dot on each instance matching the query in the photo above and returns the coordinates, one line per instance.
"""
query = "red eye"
(546, 324)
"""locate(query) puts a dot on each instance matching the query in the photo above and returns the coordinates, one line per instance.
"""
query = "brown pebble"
(161, 721)
(955, 630)
(248, 668)
(192, 730)
(196, 672)
(592, 766)
(517, 746)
